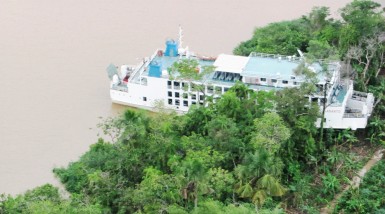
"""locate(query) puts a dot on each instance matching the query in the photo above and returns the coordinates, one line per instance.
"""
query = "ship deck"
(259, 66)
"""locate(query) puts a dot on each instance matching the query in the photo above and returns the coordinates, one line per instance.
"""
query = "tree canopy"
(246, 152)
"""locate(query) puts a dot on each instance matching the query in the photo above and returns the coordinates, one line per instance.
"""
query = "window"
(177, 102)
(176, 94)
(320, 87)
(201, 97)
(185, 86)
(194, 97)
(273, 80)
(170, 101)
(145, 99)
(295, 83)
(263, 79)
(226, 89)
(176, 85)
(218, 90)
(169, 84)
(193, 103)
(210, 89)
(199, 87)
(193, 87)
(143, 81)
(185, 103)
(185, 95)
(169, 94)
(285, 81)
(292, 77)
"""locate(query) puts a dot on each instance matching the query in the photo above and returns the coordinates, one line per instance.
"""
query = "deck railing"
(354, 115)
(275, 56)
(139, 69)
(360, 96)
(291, 58)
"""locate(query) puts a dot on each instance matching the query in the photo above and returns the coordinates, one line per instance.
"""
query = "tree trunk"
(196, 196)
(377, 101)
(381, 64)
(256, 209)
(366, 67)
(378, 72)
(323, 115)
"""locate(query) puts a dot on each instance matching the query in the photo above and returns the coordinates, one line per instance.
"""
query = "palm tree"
(376, 129)
(258, 177)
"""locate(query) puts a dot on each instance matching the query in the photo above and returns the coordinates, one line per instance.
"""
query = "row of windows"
(275, 81)
(283, 81)
(195, 87)
(185, 103)
(255, 80)
(184, 95)
(177, 85)
(177, 102)
(316, 99)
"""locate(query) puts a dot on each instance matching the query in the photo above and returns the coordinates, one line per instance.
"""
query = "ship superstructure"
(149, 83)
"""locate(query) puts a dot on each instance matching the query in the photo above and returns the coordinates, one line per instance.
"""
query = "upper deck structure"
(149, 83)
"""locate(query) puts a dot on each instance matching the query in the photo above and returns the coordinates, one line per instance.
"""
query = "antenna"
(180, 36)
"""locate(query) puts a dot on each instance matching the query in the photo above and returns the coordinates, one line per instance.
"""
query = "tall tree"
(190, 71)
(270, 132)
(363, 18)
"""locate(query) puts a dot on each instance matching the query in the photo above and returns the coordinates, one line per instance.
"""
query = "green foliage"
(216, 207)
(44, 199)
(376, 129)
(378, 90)
(317, 18)
(258, 177)
(75, 177)
(189, 69)
(369, 197)
(331, 184)
(301, 145)
(301, 189)
(239, 153)
(364, 16)
(230, 104)
(194, 158)
(271, 185)
(319, 49)
(221, 182)
(277, 38)
(358, 39)
(156, 191)
(270, 132)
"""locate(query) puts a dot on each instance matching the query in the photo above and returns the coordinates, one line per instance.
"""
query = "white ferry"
(149, 83)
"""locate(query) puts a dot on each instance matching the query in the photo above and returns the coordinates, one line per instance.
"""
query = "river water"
(53, 56)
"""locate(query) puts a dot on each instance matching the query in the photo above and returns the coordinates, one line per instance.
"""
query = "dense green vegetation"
(46, 199)
(246, 152)
(357, 39)
(369, 198)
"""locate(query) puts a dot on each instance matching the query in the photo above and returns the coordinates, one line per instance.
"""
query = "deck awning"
(230, 63)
